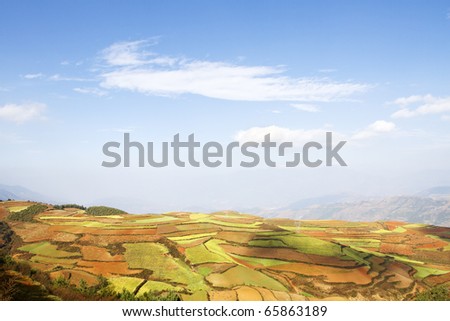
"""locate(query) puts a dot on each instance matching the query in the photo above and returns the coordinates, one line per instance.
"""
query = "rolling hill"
(224, 255)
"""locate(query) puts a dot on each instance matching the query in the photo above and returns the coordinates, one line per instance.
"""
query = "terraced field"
(232, 256)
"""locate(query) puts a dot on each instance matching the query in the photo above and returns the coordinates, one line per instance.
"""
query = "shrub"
(126, 295)
(63, 206)
(103, 211)
(170, 296)
(437, 293)
(28, 214)
(61, 282)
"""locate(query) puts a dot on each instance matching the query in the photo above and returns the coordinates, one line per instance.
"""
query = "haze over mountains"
(431, 206)
(21, 193)
(415, 209)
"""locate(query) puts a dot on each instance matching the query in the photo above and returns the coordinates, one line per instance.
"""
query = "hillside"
(231, 256)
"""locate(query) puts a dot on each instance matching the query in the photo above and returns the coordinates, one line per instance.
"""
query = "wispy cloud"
(58, 77)
(375, 129)
(133, 67)
(21, 113)
(33, 76)
(131, 53)
(309, 108)
(91, 91)
(413, 106)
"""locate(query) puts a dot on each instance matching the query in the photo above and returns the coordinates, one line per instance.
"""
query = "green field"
(125, 282)
(310, 245)
(423, 272)
(47, 249)
(256, 261)
(155, 257)
(267, 243)
(200, 254)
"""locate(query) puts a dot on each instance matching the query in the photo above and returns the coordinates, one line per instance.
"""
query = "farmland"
(231, 256)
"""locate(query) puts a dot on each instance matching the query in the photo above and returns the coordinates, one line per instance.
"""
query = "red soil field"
(106, 269)
(75, 276)
(31, 232)
(438, 279)
(399, 273)
(94, 253)
(400, 249)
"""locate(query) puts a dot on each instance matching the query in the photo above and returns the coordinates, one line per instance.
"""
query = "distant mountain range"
(21, 193)
(431, 206)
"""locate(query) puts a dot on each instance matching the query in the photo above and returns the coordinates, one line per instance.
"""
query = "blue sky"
(77, 74)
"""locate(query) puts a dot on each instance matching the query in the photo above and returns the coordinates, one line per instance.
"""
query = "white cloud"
(445, 117)
(306, 107)
(126, 53)
(133, 68)
(91, 91)
(22, 113)
(377, 128)
(422, 105)
(405, 101)
(280, 134)
(33, 76)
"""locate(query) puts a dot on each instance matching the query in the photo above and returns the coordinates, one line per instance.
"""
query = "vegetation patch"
(157, 286)
(125, 282)
(423, 271)
(267, 243)
(156, 257)
(200, 254)
(311, 245)
(103, 211)
(27, 214)
(437, 293)
(47, 249)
